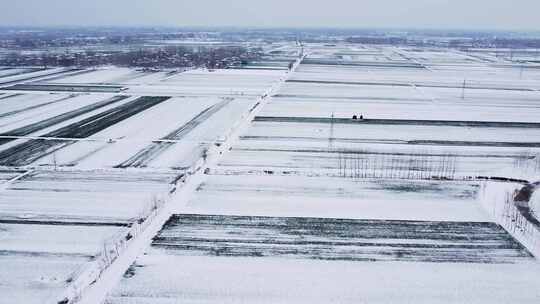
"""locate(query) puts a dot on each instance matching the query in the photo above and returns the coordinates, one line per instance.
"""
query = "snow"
(36, 74)
(70, 239)
(58, 216)
(107, 75)
(82, 196)
(164, 279)
(395, 133)
(336, 198)
(457, 109)
(38, 279)
(61, 103)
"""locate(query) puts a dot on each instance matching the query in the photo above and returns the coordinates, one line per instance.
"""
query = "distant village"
(137, 49)
(162, 57)
(173, 48)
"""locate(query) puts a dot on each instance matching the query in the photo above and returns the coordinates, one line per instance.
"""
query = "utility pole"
(463, 89)
(331, 136)
(54, 161)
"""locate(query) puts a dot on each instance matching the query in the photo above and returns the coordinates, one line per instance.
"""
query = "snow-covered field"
(79, 169)
(40, 259)
(166, 279)
(275, 220)
(307, 205)
(337, 197)
(109, 197)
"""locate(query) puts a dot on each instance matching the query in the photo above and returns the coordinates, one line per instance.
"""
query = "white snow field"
(311, 206)
(256, 185)
(82, 173)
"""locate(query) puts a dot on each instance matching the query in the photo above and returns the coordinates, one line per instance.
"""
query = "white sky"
(466, 14)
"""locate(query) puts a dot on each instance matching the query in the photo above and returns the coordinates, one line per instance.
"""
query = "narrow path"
(97, 292)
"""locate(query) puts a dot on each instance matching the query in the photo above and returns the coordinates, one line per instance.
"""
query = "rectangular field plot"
(19, 103)
(170, 135)
(235, 83)
(39, 260)
(471, 110)
(339, 239)
(337, 197)
(361, 160)
(37, 121)
(161, 278)
(36, 279)
(35, 75)
(101, 197)
(134, 134)
(5, 72)
(31, 150)
(231, 259)
(100, 76)
(413, 133)
(354, 92)
(66, 88)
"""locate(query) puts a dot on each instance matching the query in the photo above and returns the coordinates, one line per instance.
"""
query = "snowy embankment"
(498, 200)
(535, 203)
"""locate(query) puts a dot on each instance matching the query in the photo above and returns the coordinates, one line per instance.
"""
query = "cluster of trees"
(162, 57)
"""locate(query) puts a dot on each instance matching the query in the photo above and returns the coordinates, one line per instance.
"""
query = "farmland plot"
(37, 267)
(5, 72)
(401, 133)
(281, 262)
(354, 92)
(361, 161)
(51, 112)
(336, 197)
(146, 155)
(131, 135)
(292, 208)
(210, 132)
(447, 110)
(49, 122)
(171, 135)
(107, 197)
(233, 83)
(28, 152)
(22, 103)
(32, 75)
(100, 76)
(307, 206)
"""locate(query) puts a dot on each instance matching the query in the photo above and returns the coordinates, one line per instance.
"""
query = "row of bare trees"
(390, 166)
